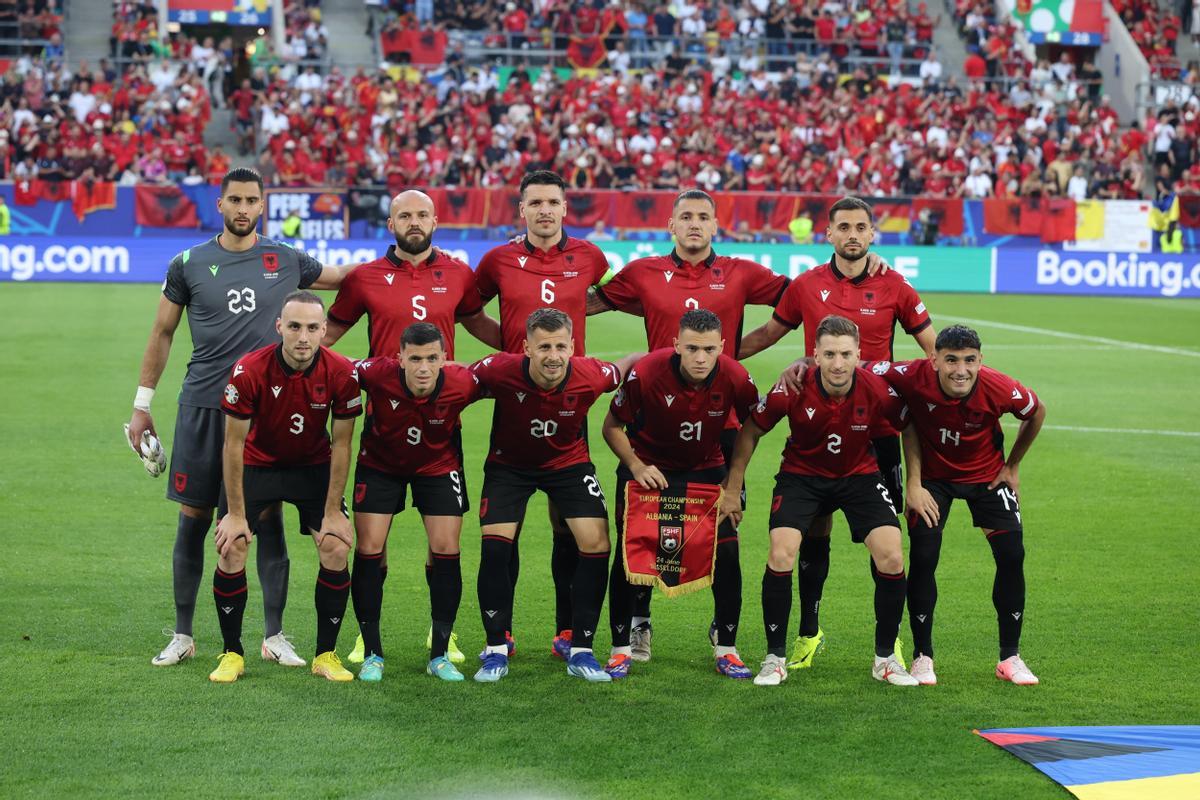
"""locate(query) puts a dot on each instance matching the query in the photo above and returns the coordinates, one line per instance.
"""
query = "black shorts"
(799, 499)
(887, 453)
(379, 492)
(995, 509)
(195, 476)
(303, 487)
(712, 475)
(573, 490)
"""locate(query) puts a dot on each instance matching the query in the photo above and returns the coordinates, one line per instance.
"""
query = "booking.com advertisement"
(929, 269)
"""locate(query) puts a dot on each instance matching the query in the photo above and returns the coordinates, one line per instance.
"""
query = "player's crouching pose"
(828, 464)
(411, 439)
(538, 442)
(277, 449)
(665, 426)
(954, 449)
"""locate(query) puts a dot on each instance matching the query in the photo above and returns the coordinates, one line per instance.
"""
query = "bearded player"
(231, 286)
(876, 303)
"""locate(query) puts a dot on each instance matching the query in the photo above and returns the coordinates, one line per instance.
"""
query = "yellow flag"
(1089, 219)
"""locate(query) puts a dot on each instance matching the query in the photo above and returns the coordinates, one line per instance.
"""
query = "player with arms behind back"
(411, 440)
(231, 286)
(954, 449)
(538, 443)
(828, 464)
(277, 449)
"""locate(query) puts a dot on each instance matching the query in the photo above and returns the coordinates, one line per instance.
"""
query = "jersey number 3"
(241, 300)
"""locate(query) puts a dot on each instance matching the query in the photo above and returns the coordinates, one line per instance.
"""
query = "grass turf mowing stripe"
(1175, 351)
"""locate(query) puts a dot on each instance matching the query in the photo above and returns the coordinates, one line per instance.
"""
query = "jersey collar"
(680, 262)
(400, 263)
(288, 371)
(529, 378)
(837, 273)
(677, 368)
(562, 244)
(437, 386)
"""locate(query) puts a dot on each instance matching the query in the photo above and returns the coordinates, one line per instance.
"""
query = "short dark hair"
(851, 204)
(957, 337)
(420, 333)
(241, 175)
(542, 177)
(548, 320)
(833, 325)
(693, 194)
(302, 296)
(700, 320)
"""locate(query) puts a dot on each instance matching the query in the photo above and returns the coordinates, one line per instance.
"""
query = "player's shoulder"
(499, 361)
(575, 245)
(654, 263)
(446, 261)
(997, 384)
(875, 384)
(375, 365)
(256, 361)
(732, 367)
(737, 262)
(656, 360)
(503, 253)
(335, 361)
(277, 246)
(821, 272)
(459, 377)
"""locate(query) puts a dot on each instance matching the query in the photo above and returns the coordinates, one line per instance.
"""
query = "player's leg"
(924, 549)
(887, 569)
(195, 484)
(620, 592)
(726, 590)
(307, 488)
(577, 493)
(274, 569)
(229, 595)
(378, 497)
(998, 514)
(563, 558)
(811, 577)
(442, 501)
(506, 492)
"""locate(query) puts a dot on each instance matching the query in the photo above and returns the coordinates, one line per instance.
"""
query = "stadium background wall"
(976, 270)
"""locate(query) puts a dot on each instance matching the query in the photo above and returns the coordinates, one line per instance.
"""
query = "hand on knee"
(333, 552)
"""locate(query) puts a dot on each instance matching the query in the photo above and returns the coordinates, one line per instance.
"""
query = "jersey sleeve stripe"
(785, 323)
(236, 415)
(919, 328)
(786, 283)
(1031, 404)
(339, 320)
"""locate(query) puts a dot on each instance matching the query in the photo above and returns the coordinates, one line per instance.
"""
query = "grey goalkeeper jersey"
(232, 300)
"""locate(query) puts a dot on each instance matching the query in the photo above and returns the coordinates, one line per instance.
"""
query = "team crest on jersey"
(860, 413)
(319, 395)
(231, 395)
(669, 538)
(439, 276)
(270, 263)
(869, 298)
(571, 401)
(441, 409)
(716, 399)
(718, 274)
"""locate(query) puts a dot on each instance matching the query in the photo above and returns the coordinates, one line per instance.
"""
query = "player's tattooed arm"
(916, 496)
(483, 327)
(761, 338)
(154, 361)
(1025, 435)
(647, 476)
(594, 304)
(233, 525)
(335, 522)
(743, 449)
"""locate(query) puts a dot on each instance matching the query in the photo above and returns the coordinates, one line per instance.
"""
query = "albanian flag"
(671, 536)
(164, 207)
(585, 52)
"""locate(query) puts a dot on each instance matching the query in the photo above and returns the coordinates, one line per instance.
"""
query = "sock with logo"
(445, 595)
(366, 589)
(187, 567)
(1008, 588)
(274, 568)
(777, 607)
(229, 592)
(923, 551)
(890, 590)
(620, 596)
(814, 569)
(332, 592)
(495, 587)
(563, 557)
(727, 587)
(587, 596)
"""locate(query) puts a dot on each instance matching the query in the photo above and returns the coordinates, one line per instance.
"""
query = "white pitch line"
(1130, 431)
(1175, 351)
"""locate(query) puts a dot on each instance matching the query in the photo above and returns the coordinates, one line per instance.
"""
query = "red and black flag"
(644, 210)
(89, 196)
(1002, 216)
(164, 207)
(671, 536)
(585, 52)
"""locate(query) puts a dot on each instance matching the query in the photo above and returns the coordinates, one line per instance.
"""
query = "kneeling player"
(665, 426)
(828, 464)
(277, 449)
(538, 442)
(412, 438)
(955, 450)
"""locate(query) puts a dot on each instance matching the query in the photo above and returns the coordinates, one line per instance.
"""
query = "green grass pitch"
(85, 588)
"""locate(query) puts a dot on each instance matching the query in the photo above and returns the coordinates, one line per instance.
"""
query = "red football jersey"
(394, 294)
(536, 429)
(290, 409)
(961, 439)
(527, 279)
(665, 287)
(410, 435)
(831, 436)
(674, 425)
(875, 303)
